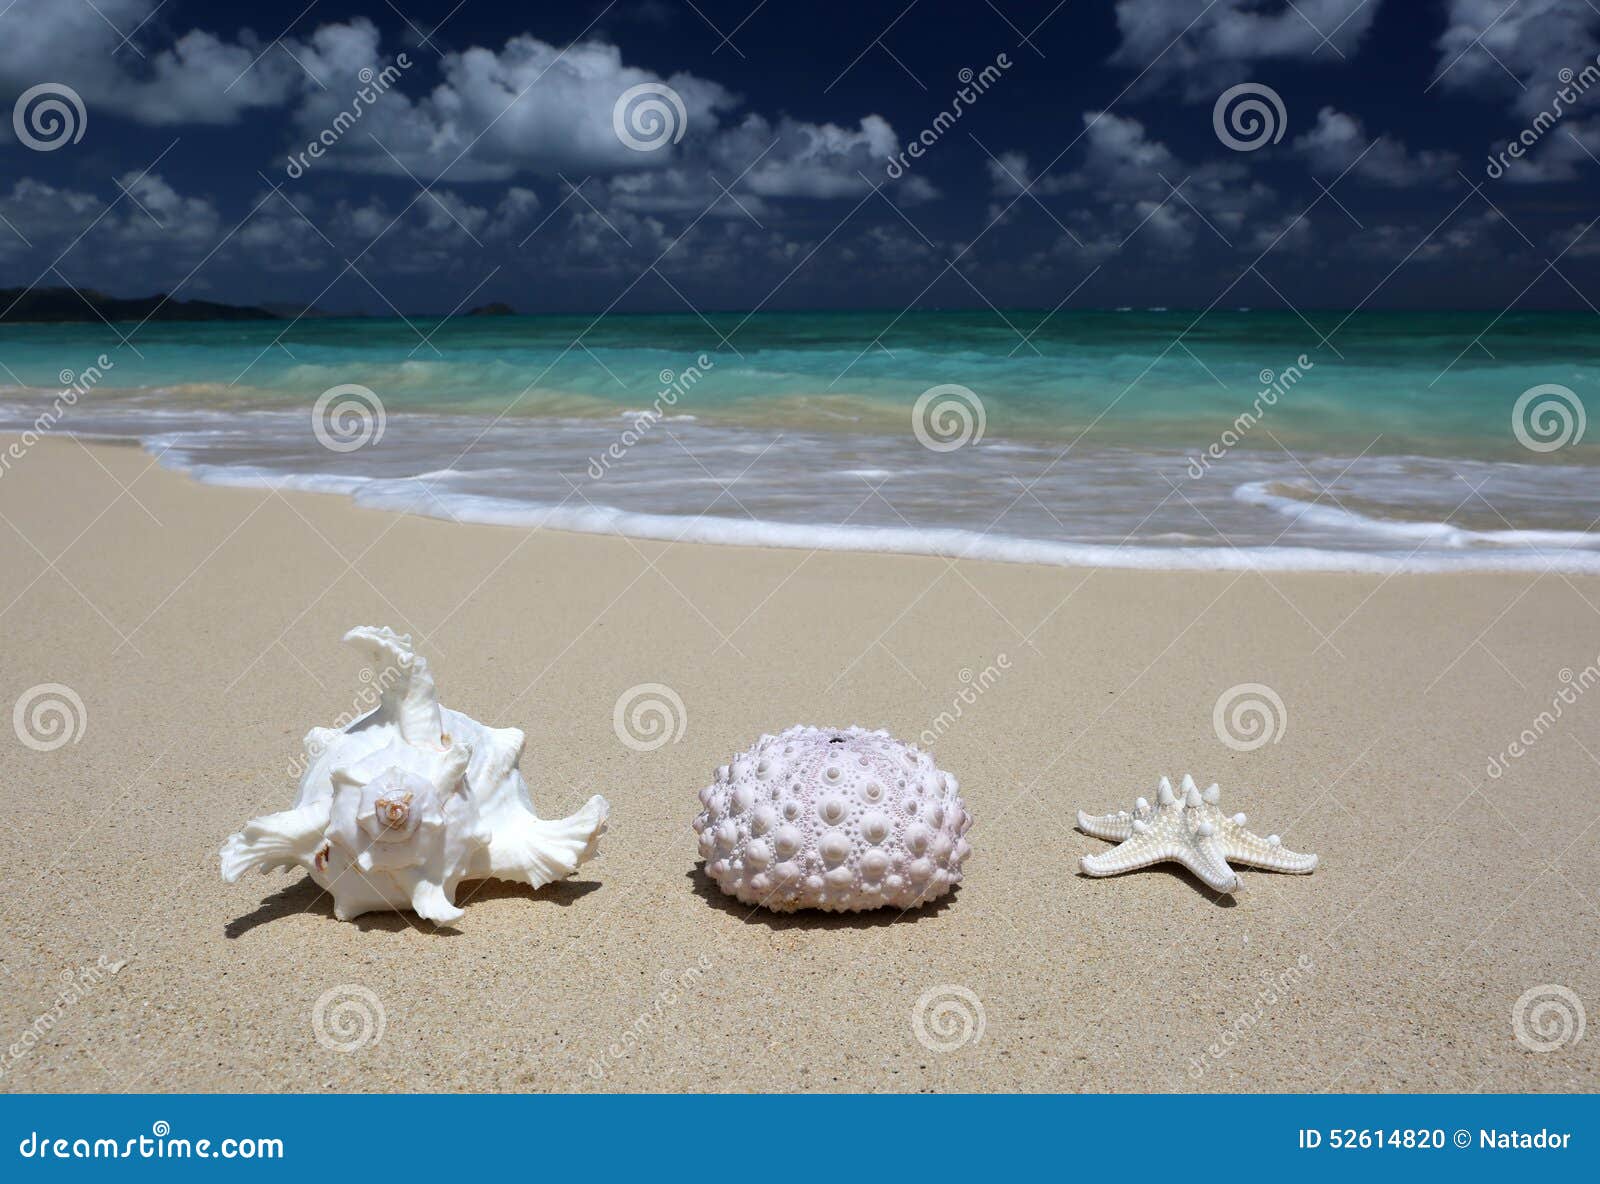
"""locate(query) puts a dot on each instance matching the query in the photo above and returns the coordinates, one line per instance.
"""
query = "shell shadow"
(706, 888)
(303, 896)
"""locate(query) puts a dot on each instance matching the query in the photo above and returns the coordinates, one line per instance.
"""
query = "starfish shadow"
(706, 888)
(1178, 872)
(304, 896)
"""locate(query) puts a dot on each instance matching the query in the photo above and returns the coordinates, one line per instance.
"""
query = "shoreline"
(1285, 529)
(199, 629)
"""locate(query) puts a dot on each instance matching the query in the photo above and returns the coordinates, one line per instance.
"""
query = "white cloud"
(1517, 49)
(533, 109)
(1339, 141)
(1519, 53)
(201, 78)
(1125, 165)
(1206, 47)
(1129, 184)
(164, 233)
(527, 109)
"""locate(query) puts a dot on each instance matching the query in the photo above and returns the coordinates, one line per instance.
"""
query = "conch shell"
(394, 811)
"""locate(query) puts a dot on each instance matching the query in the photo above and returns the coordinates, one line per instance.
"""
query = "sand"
(199, 627)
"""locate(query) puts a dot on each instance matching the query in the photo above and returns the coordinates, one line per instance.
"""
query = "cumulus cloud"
(1520, 53)
(1516, 50)
(1131, 180)
(150, 222)
(163, 233)
(1207, 47)
(526, 109)
(1339, 141)
(1136, 172)
(533, 109)
(200, 78)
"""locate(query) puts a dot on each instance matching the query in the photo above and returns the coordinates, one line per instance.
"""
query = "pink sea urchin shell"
(840, 819)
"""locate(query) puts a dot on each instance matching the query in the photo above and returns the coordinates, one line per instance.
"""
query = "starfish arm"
(1204, 857)
(1117, 827)
(1139, 851)
(1241, 846)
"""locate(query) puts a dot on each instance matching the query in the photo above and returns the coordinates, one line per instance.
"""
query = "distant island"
(38, 305)
(85, 305)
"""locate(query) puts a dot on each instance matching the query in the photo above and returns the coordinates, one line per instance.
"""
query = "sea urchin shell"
(839, 819)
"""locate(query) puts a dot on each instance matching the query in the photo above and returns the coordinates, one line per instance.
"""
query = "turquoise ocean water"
(1144, 438)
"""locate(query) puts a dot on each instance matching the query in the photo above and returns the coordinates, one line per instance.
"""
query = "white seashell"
(866, 822)
(394, 811)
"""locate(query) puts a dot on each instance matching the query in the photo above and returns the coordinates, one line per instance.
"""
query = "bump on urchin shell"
(839, 819)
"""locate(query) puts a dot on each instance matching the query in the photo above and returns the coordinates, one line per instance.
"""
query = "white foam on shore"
(416, 496)
(1437, 534)
(1010, 500)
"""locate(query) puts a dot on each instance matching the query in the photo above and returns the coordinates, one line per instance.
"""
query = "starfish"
(1191, 830)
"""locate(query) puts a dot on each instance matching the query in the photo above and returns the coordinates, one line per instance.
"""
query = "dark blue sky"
(1090, 169)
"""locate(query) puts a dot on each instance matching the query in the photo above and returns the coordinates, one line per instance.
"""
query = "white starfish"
(1191, 830)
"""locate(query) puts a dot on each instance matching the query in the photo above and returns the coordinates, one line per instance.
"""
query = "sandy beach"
(199, 627)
